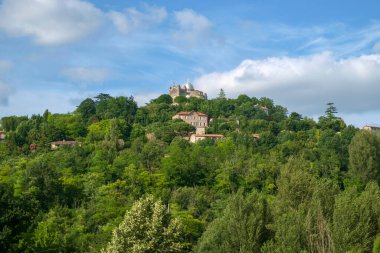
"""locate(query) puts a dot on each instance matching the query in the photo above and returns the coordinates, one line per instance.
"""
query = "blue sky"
(302, 54)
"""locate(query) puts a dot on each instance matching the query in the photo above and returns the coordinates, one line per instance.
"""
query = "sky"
(302, 54)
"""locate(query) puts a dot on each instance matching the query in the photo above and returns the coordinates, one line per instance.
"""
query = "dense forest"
(133, 183)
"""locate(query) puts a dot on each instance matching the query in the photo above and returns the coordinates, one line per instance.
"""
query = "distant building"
(57, 144)
(254, 136)
(33, 147)
(197, 119)
(186, 90)
(194, 138)
(372, 128)
(2, 135)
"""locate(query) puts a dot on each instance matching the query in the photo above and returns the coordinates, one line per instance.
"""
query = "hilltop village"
(199, 120)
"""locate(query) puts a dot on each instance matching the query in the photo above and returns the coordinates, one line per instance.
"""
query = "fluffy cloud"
(192, 27)
(49, 21)
(132, 19)
(88, 75)
(304, 84)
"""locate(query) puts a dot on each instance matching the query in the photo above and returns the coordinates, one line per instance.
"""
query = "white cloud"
(304, 84)
(49, 22)
(192, 27)
(88, 75)
(132, 19)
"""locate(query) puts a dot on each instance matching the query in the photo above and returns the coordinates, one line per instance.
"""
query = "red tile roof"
(183, 113)
(208, 135)
(192, 113)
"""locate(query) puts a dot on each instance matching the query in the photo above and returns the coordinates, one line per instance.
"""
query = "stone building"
(198, 137)
(186, 90)
(2, 135)
(33, 147)
(374, 129)
(56, 144)
(197, 119)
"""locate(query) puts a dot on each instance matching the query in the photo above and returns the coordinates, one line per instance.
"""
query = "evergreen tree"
(222, 94)
(331, 110)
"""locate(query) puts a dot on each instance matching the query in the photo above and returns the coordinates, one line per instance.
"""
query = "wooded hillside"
(132, 183)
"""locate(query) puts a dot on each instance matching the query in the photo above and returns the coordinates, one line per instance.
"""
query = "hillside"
(276, 182)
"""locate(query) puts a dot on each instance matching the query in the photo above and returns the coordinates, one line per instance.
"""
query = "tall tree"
(147, 228)
(364, 159)
(241, 228)
(87, 109)
(222, 94)
(356, 219)
(331, 110)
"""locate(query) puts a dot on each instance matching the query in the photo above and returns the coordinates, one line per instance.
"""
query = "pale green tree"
(147, 228)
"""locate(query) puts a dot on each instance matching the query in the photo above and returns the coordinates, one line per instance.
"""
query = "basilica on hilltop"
(186, 90)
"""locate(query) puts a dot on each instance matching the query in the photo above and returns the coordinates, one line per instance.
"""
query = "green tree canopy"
(164, 98)
(364, 151)
(241, 228)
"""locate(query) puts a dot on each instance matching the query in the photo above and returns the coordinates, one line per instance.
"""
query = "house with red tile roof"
(197, 119)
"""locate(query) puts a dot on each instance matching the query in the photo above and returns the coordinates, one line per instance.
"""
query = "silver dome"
(189, 86)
